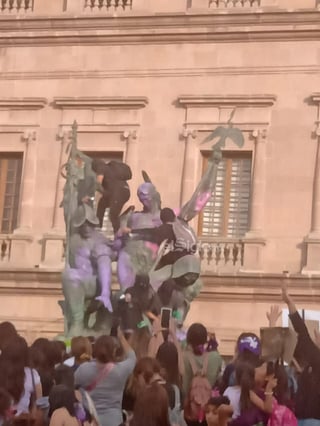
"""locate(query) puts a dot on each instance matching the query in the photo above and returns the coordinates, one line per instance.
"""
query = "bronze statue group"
(154, 248)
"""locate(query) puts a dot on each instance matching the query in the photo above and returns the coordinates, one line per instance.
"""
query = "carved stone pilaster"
(254, 240)
(22, 238)
(187, 178)
(130, 137)
(257, 205)
(28, 181)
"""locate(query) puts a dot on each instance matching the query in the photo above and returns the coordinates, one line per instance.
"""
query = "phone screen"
(165, 317)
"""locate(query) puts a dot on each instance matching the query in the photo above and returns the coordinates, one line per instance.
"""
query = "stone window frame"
(238, 232)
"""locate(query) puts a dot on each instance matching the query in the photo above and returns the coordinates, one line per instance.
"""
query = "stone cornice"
(241, 287)
(227, 100)
(119, 102)
(160, 72)
(161, 29)
(22, 103)
(315, 98)
(259, 287)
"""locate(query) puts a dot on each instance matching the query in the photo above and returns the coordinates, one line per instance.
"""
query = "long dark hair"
(167, 356)
(281, 391)
(43, 350)
(64, 375)
(146, 368)
(245, 373)
(151, 407)
(7, 332)
(197, 336)
(62, 396)
(104, 349)
(14, 358)
(5, 402)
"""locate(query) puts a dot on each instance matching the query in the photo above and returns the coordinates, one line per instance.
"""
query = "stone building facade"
(147, 81)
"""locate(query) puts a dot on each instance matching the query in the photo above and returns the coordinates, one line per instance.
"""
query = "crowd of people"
(154, 377)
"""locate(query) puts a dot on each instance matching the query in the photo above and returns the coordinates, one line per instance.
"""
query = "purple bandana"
(249, 343)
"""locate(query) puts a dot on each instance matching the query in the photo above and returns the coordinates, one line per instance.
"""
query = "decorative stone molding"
(15, 7)
(216, 110)
(53, 249)
(279, 25)
(187, 136)
(100, 6)
(22, 103)
(227, 100)
(130, 135)
(254, 239)
(29, 137)
(131, 102)
(13, 123)
(130, 157)
(204, 112)
(222, 4)
(258, 185)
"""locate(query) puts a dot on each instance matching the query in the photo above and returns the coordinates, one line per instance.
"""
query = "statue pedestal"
(312, 266)
(52, 254)
(253, 253)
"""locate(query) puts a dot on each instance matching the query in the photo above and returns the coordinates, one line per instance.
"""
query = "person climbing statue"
(112, 179)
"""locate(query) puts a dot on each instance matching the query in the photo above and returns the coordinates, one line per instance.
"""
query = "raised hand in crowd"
(287, 298)
(273, 315)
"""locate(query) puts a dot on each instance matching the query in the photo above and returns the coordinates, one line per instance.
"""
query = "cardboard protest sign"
(278, 343)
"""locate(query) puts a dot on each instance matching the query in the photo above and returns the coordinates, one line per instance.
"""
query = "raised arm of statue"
(207, 183)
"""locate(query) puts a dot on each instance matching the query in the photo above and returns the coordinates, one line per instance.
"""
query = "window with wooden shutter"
(10, 181)
(227, 211)
(106, 157)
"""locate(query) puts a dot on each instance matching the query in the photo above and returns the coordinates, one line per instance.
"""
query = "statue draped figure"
(86, 279)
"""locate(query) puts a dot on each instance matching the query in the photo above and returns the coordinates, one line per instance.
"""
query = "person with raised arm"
(308, 354)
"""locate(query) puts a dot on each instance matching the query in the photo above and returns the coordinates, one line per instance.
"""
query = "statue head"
(149, 196)
(85, 220)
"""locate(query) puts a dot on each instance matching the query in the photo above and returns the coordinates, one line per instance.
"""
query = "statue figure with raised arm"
(86, 280)
(140, 253)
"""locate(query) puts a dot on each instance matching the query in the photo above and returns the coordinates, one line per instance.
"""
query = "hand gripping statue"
(86, 280)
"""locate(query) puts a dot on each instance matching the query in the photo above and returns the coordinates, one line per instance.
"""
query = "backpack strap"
(204, 370)
(100, 376)
(89, 405)
(192, 363)
(177, 402)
